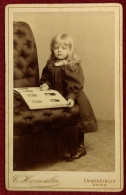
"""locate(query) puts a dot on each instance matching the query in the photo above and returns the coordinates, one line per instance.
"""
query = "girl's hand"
(44, 87)
(70, 102)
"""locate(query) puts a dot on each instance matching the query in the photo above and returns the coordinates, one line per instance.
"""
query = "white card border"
(118, 174)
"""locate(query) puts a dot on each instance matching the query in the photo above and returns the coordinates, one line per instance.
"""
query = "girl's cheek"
(54, 51)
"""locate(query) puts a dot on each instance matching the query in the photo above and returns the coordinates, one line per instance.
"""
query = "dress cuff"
(48, 83)
(71, 96)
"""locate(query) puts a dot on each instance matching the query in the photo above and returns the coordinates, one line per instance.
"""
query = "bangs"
(63, 39)
(62, 42)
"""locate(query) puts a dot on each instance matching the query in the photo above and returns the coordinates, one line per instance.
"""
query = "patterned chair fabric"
(26, 73)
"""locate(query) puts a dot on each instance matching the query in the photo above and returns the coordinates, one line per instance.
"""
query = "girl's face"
(61, 51)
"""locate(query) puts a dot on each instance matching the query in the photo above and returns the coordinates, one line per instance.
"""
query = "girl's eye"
(64, 47)
(55, 48)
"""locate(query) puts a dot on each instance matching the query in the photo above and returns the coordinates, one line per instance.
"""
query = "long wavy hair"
(67, 40)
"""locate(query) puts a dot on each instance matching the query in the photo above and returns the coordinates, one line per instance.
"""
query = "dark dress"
(68, 79)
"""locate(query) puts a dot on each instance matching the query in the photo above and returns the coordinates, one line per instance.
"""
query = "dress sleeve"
(45, 78)
(74, 80)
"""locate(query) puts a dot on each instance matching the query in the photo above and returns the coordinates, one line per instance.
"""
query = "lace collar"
(61, 62)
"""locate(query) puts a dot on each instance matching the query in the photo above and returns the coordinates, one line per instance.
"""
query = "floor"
(100, 147)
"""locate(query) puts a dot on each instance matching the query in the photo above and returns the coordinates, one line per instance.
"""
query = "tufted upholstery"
(29, 121)
(25, 57)
(39, 135)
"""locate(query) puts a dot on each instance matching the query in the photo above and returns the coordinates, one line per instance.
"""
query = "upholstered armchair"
(39, 135)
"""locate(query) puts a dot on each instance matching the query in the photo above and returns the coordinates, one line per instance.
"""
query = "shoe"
(81, 146)
(68, 157)
(80, 152)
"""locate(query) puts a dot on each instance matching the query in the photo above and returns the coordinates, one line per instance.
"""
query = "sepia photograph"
(64, 121)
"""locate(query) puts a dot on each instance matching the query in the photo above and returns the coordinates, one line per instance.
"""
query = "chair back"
(26, 71)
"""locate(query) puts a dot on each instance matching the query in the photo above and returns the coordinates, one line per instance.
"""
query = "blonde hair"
(66, 40)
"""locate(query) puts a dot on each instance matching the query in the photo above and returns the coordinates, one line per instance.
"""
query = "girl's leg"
(70, 142)
(81, 149)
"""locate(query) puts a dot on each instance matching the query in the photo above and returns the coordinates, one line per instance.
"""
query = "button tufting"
(25, 56)
(28, 43)
(20, 32)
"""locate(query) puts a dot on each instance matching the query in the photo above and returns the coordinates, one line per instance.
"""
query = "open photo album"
(37, 99)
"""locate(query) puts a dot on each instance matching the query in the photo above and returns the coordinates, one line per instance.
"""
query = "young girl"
(63, 72)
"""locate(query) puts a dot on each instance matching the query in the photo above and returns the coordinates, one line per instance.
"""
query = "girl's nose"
(59, 49)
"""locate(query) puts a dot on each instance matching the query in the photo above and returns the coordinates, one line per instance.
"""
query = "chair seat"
(43, 135)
